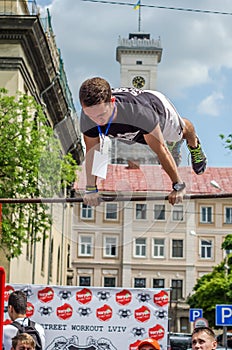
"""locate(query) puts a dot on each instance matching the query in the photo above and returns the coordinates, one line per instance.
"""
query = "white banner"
(88, 318)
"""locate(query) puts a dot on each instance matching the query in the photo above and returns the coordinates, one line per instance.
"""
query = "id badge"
(100, 164)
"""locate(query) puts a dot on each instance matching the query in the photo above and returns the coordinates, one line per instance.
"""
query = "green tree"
(215, 287)
(227, 141)
(31, 165)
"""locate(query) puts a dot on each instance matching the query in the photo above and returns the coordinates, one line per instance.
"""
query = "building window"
(206, 215)
(177, 287)
(228, 215)
(139, 62)
(140, 283)
(86, 212)
(206, 249)
(84, 281)
(177, 213)
(158, 283)
(158, 248)
(159, 212)
(85, 245)
(110, 246)
(140, 247)
(111, 211)
(141, 211)
(177, 248)
(109, 282)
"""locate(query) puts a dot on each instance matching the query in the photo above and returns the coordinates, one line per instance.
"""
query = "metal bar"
(112, 198)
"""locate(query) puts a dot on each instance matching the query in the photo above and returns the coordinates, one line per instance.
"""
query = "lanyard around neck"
(107, 128)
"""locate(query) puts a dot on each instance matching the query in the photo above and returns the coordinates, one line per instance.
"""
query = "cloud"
(196, 60)
(211, 104)
(193, 43)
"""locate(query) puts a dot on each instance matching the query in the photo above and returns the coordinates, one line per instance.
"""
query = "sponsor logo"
(134, 346)
(142, 314)
(124, 297)
(46, 295)
(7, 292)
(30, 309)
(84, 296)
(156, 332)
(104, 313)
(161, 298)
(64, 312)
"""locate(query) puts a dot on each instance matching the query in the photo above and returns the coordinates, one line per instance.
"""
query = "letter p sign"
(195, 314)
(224, 315)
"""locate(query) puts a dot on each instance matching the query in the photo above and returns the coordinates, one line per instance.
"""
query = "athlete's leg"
(198, 157)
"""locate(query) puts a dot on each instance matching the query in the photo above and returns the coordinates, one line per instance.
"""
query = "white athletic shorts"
(173, 128)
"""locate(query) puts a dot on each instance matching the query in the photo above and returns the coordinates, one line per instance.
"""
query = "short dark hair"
(94, 91)
(207, 330)
(18, 300)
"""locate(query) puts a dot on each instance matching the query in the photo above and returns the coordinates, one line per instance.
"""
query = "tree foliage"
(31, 165)
(215, 287)
(227, 141)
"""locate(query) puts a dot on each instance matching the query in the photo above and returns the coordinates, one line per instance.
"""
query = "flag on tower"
(137, 6)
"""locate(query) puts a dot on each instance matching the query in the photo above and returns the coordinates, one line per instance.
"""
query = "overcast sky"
(195, 71)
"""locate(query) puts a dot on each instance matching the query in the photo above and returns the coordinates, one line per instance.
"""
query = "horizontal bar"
(112, 198)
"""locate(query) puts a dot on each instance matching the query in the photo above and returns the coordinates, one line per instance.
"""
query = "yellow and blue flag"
(137, 6)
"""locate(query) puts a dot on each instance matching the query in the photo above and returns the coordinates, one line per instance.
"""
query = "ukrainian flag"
(137, 6)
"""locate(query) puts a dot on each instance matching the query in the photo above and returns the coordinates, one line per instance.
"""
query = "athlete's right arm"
(91, 198)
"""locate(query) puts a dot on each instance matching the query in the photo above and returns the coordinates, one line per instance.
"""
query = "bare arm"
(156, 142)
(92, 144)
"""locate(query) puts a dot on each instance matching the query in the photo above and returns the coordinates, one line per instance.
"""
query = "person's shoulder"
(8, 327)
(39, 327)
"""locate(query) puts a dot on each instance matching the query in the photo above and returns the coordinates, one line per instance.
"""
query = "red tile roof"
(153, 178)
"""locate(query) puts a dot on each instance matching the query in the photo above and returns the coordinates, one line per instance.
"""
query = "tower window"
(139, 62)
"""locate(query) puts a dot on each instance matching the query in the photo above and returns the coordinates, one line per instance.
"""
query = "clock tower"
(138, 56)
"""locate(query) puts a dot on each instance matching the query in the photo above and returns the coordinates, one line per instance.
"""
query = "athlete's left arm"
(156, 142)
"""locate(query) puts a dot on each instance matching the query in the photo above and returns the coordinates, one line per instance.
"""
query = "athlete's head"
(18, 301)
(203, 338)
(96, 100)
(23, 341)
(94, 91)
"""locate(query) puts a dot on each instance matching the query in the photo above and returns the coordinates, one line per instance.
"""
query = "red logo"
(156, 332)
(134, 346)
(64, 312)
(124, 297)
(143, 314)
(46, 295)
(161, 298)
(7, 321)
(104, 313)
(84, 296)
(30, 309)
(7, 292)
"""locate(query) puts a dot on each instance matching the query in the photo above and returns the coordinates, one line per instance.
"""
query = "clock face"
(138, 82)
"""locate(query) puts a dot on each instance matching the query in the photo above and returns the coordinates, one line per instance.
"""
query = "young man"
(148, 344)
(133, 115)
(203, 338)
(23, 341)
(17, 307)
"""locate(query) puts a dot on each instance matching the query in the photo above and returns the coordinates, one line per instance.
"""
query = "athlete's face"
(23, 346)
(203, 341)
(146, 347)
(100, 113)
